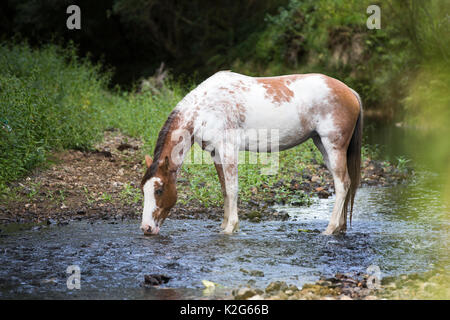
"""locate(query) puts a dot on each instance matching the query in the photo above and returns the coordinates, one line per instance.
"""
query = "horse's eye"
(159, 192)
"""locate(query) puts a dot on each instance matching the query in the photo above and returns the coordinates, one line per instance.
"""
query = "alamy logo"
(74, 20)
(74, 280)
(374, 20)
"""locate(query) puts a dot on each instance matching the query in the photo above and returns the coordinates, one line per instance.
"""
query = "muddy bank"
(104, 184)
(426, 285)
(339, 287)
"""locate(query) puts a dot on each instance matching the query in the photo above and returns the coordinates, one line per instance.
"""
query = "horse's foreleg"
(228, 156)
(219, 169)
(337, 160)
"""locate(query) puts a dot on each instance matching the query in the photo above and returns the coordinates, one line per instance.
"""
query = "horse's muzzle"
(149, 231)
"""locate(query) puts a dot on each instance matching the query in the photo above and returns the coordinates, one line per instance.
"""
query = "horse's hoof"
(231, 228)
(330, 232)
(333, 232)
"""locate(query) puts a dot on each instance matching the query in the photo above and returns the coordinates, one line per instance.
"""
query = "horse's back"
(304, 93)
(296, 105)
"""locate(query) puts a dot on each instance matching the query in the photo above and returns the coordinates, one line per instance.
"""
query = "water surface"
(399, 229)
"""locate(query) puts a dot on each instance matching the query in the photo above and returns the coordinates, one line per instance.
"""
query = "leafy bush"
(52, 100)
(49, 100)
(331, 37)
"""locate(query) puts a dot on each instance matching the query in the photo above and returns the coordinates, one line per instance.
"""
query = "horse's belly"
(269, 129)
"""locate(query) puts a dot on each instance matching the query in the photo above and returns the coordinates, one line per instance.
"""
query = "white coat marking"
(149, 203)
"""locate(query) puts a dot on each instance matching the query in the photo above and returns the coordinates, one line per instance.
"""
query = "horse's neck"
(179, 141)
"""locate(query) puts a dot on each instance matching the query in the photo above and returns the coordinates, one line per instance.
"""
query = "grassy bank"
(50, 100)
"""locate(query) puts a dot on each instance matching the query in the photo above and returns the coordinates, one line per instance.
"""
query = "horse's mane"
(160, 142)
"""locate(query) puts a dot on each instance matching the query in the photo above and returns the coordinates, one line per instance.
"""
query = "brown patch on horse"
(346, 110)
(168, 196)
(277, 89)
(160, 143)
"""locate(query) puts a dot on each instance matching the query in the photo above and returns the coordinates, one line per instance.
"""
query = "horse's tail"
(354, 159)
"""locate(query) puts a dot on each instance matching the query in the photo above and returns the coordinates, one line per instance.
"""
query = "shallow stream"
(400, 229)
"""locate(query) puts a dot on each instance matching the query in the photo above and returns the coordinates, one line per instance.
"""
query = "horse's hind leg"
(231, 220)
(337, 164)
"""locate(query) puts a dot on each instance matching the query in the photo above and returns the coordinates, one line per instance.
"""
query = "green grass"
(200, 181)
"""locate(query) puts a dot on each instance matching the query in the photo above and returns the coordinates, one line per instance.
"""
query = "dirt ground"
(104, 184)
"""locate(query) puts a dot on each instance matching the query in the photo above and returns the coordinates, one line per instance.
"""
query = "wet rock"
(50, 221)
(292, 288)
(256, 273)
(254, 216)
(319, 290)
(280, 296)
(276, 286)
(323, 194)
(289, 292)
(244, 293)
(253, 273)
(339, 287)
(156, 279)
(324, 283)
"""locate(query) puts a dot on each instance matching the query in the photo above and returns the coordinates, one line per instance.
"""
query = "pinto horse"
(299, 107)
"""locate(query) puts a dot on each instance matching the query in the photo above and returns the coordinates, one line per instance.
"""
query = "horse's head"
(160, 194)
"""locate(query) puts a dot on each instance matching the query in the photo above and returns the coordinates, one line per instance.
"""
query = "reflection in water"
(423, 138)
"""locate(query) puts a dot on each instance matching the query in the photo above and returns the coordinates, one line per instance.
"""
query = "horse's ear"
(148, 160)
